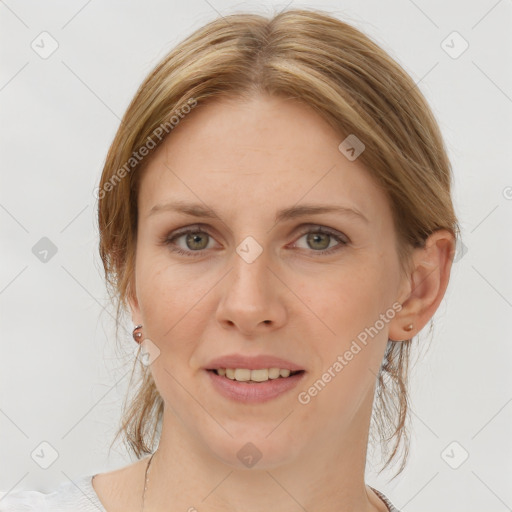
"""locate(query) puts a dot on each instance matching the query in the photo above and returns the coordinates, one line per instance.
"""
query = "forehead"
(256, 153)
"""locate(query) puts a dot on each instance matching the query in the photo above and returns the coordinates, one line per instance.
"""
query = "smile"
(254, 386)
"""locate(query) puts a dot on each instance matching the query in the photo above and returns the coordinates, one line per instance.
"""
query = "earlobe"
(428, 282)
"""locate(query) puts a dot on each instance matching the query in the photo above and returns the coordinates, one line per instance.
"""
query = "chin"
(252, 449)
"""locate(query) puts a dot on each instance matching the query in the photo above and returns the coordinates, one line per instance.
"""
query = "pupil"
(313, 238)
(194, 239)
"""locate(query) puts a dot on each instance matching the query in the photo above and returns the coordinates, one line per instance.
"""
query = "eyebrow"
(202, 211)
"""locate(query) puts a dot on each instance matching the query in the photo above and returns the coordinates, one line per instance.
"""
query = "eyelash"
(169, 239)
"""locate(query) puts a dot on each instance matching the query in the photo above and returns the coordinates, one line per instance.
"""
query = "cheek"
(169, 299)
(355, 303)
(350, 303)
(176, 306)
(348, 300)
(173, 320)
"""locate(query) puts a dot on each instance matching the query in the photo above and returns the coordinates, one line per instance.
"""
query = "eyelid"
(341, 239)
(320, 228)
(304, 229)
(185, 230)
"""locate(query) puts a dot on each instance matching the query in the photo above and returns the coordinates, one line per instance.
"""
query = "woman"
(275, 215)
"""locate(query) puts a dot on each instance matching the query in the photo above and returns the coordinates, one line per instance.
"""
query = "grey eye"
(196, 241)
(319, 241)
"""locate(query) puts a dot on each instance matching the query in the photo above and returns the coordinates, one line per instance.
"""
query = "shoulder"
(77, 495)
(121, 490)
(115, 491)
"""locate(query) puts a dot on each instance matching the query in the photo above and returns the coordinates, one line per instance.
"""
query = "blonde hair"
(355, 86)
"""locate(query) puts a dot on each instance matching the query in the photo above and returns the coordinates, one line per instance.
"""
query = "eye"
(195, 240)
(321, 239)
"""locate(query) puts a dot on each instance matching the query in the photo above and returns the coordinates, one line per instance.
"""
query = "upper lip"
(252, 363)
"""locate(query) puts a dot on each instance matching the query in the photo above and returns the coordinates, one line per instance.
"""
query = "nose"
(252, 297)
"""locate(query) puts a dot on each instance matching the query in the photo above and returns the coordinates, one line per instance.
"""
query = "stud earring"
(407, 328)
(137, 335)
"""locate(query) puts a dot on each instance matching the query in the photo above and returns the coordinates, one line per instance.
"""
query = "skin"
(247, 159)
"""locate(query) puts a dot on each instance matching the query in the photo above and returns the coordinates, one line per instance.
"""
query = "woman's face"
(268, 274)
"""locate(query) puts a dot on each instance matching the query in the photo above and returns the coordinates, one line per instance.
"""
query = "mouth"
(244, 385)
(255, 376)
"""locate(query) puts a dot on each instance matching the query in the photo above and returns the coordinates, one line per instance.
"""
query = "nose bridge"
(251, 293)
(250, 275)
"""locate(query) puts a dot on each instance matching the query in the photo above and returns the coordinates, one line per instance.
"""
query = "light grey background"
(62, 381)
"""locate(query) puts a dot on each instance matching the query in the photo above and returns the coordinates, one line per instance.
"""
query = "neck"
(326, 475)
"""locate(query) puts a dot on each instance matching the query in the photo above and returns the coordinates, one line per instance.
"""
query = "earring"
(137, 335)
(407, 328)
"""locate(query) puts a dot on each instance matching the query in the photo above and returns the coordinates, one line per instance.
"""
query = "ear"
(425, 286)
(133, 303)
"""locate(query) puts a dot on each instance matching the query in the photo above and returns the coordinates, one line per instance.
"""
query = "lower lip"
(253, 392)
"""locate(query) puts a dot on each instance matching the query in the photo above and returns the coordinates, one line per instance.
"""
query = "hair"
(352, 83)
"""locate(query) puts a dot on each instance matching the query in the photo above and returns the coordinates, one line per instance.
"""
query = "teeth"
(245, 374)
(242, 374)
(273, 373)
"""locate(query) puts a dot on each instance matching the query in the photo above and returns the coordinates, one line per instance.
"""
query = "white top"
(78, 496)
